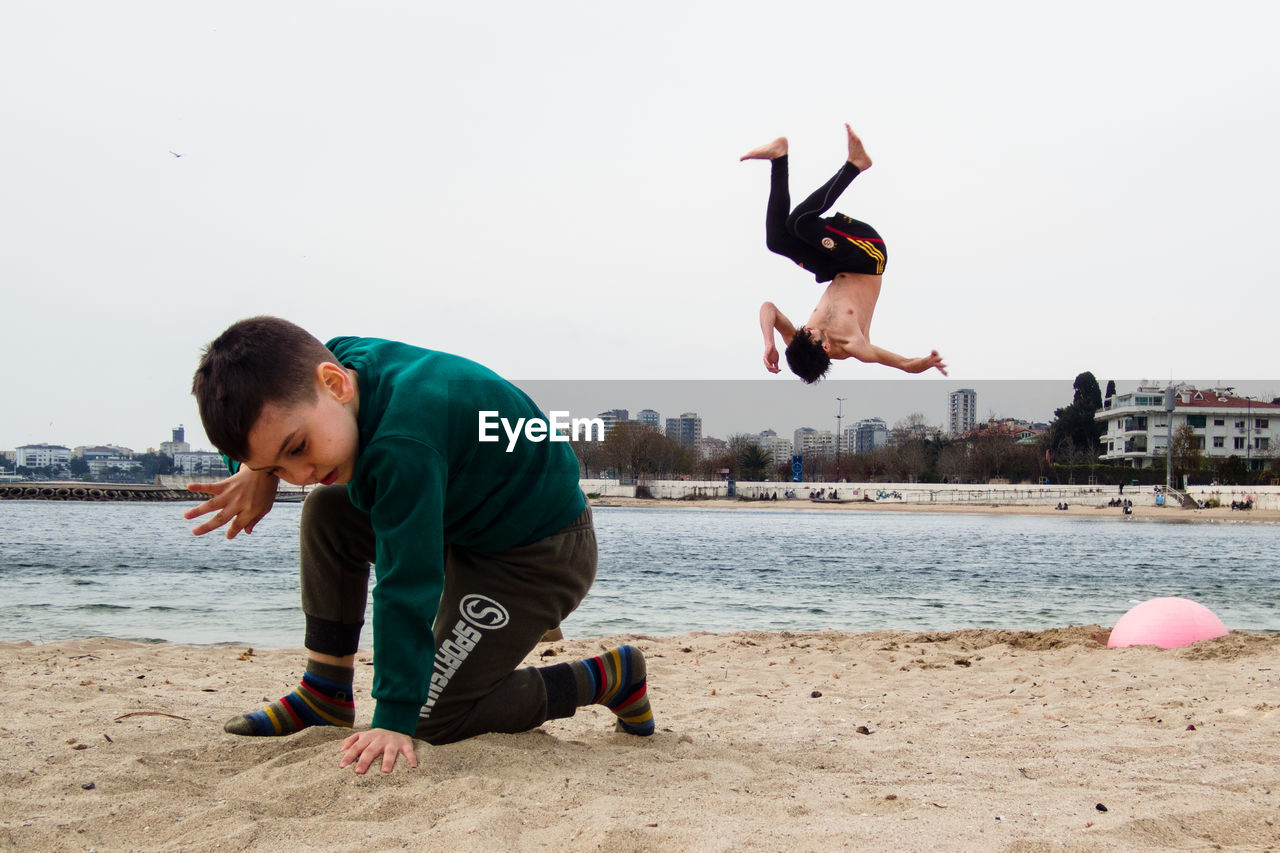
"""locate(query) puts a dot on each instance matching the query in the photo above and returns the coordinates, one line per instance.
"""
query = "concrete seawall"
(171, 488)
(1261, 497)
(167, 487)
(75, 491)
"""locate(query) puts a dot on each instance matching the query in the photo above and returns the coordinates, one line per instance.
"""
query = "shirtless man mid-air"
(837, 249)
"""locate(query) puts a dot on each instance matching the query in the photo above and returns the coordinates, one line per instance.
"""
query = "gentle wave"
(662, 571)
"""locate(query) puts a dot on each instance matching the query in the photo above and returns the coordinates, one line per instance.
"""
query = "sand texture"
(970, 740)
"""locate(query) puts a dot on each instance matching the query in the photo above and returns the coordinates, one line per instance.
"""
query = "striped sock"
(322, 699)
(617, 679)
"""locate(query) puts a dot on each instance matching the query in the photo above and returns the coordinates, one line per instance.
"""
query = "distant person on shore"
(837, 249)
(478, 550)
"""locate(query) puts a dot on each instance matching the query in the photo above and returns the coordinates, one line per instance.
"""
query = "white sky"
(553, 188)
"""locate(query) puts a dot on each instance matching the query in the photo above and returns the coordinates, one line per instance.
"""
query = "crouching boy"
(477, 549)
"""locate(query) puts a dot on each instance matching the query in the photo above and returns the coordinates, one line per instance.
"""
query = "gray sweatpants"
(476, 687)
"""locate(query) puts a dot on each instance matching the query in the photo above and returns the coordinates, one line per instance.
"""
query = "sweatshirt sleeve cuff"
(396, 716)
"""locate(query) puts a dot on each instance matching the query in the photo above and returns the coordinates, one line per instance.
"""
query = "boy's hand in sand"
(242, 499)
(364, 747)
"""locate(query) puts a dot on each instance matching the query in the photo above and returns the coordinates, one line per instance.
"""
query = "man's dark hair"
(806, 357)
(254, 362)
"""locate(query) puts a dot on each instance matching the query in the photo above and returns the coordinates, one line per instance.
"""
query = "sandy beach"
(971, 740)
(1078, 510)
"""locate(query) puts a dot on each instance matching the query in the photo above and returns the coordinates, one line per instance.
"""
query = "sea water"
(134, 571)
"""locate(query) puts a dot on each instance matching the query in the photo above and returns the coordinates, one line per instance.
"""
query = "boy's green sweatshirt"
(427, 481)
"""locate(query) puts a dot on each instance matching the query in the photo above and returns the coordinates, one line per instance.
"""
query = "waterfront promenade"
(940, 496)
(1147, 501)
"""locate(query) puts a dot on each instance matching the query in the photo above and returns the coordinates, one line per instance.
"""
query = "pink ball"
(1167, 623)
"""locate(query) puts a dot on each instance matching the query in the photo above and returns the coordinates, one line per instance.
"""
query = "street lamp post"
(839, 415)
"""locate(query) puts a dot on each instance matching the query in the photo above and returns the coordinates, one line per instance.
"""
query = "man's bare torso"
(844, 313)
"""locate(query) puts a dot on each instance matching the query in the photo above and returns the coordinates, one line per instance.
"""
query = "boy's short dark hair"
(806, 357)
(254, 362)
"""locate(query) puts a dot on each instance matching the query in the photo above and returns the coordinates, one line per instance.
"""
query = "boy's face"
(313, 441)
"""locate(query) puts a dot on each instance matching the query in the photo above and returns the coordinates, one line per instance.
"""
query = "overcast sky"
(554, 189)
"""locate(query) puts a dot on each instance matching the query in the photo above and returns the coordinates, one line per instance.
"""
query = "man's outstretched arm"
(872, 354)
(770, 319)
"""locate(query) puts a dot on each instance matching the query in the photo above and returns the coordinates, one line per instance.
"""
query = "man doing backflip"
(837, 249)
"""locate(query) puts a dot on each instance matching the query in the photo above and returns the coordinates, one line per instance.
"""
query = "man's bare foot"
(857, 154)
(771, 151)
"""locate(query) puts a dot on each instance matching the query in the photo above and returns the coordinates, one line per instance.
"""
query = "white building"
(178, 444)
(101, 451)
(962, 412)
(802, 439)
(811, 443)
(709, 447)
(870, 435)
(685, 430)
(42, 456)
(1138, 427)
(99, 465)
(200, 462)
(612, 418)
(777, 448)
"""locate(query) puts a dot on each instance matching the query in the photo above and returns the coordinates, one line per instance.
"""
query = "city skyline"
(754, 406)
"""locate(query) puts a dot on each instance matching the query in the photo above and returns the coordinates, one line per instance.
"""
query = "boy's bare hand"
(242, 499)
(364, 748)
